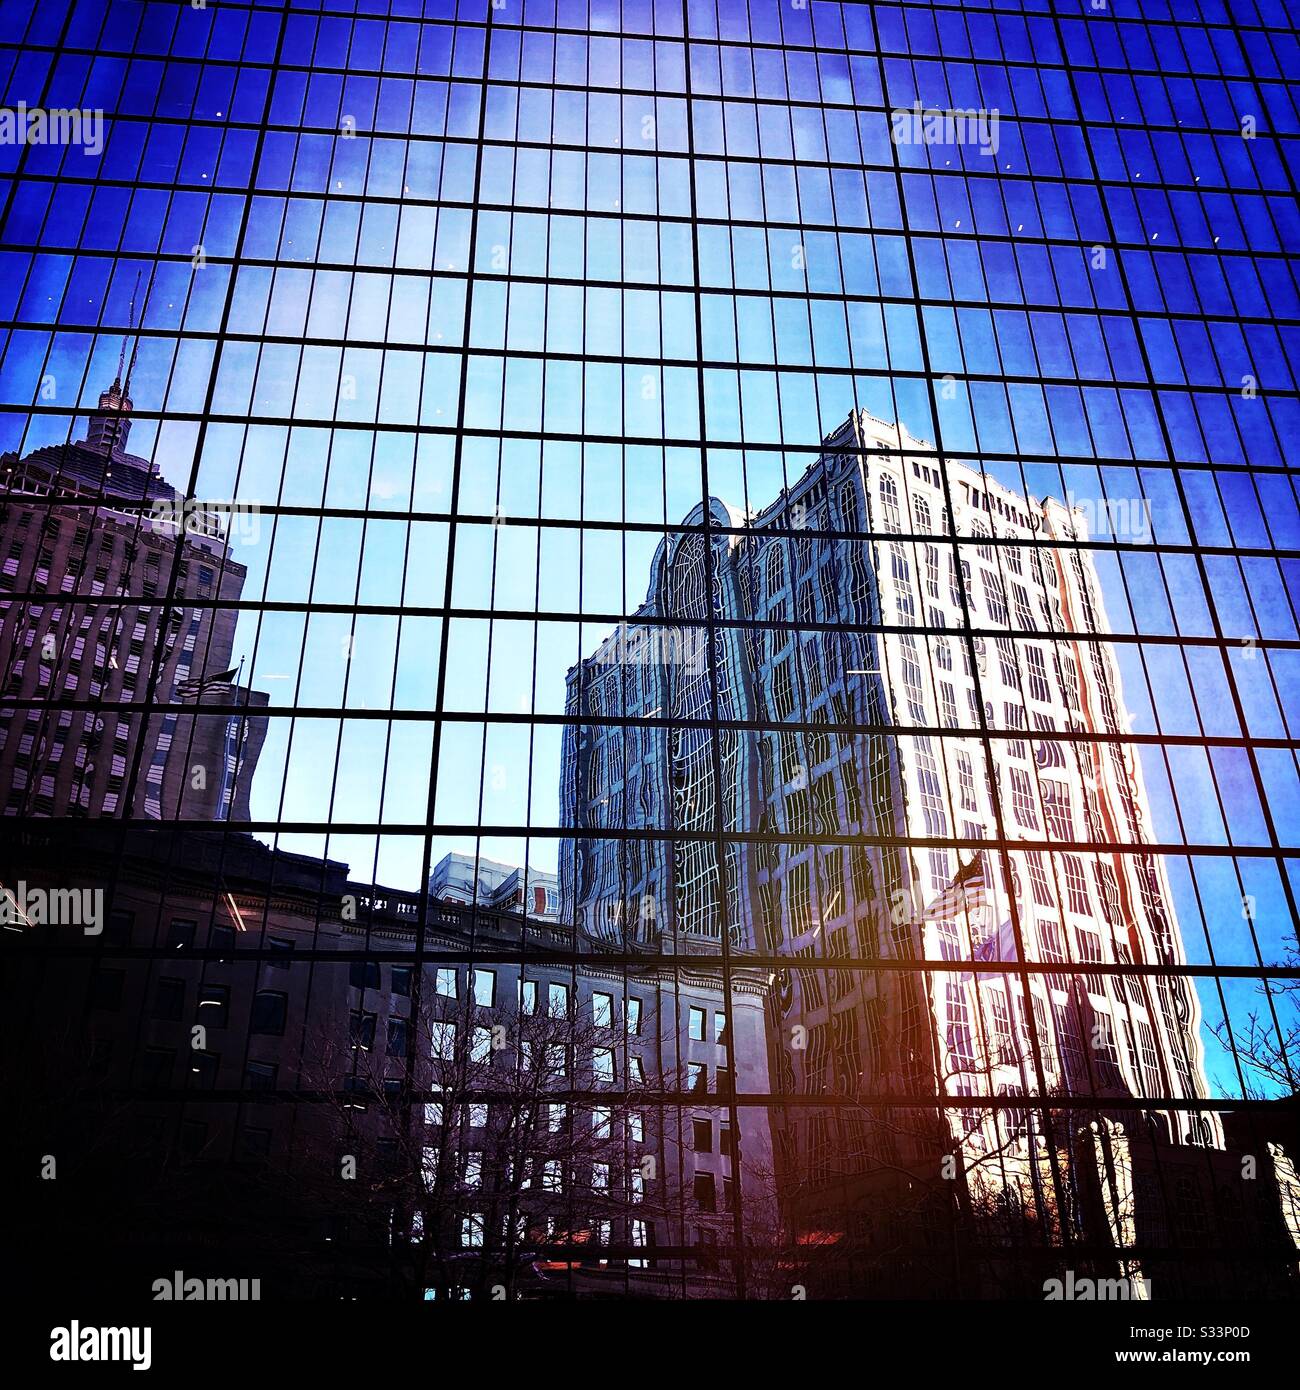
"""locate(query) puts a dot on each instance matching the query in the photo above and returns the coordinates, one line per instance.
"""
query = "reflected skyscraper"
(861, 658)
(106, 613)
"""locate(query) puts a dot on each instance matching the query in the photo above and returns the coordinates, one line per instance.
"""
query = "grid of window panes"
(685, 610)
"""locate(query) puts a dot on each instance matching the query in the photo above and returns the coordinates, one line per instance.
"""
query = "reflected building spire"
(110, 424)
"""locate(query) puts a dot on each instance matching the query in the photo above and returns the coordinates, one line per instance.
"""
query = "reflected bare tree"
(1267, 1044)
(469, 1160)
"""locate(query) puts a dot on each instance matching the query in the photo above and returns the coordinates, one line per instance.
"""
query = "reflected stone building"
(501, 1092)
(852, 698)
(89, 534)
(475, 881)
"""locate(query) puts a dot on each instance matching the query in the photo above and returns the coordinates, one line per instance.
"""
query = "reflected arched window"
(889, 500)
(775, 569)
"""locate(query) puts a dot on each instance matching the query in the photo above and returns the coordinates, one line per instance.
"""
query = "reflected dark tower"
(80, 534)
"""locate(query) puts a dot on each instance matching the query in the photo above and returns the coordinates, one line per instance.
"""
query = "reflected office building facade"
(833, 635)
